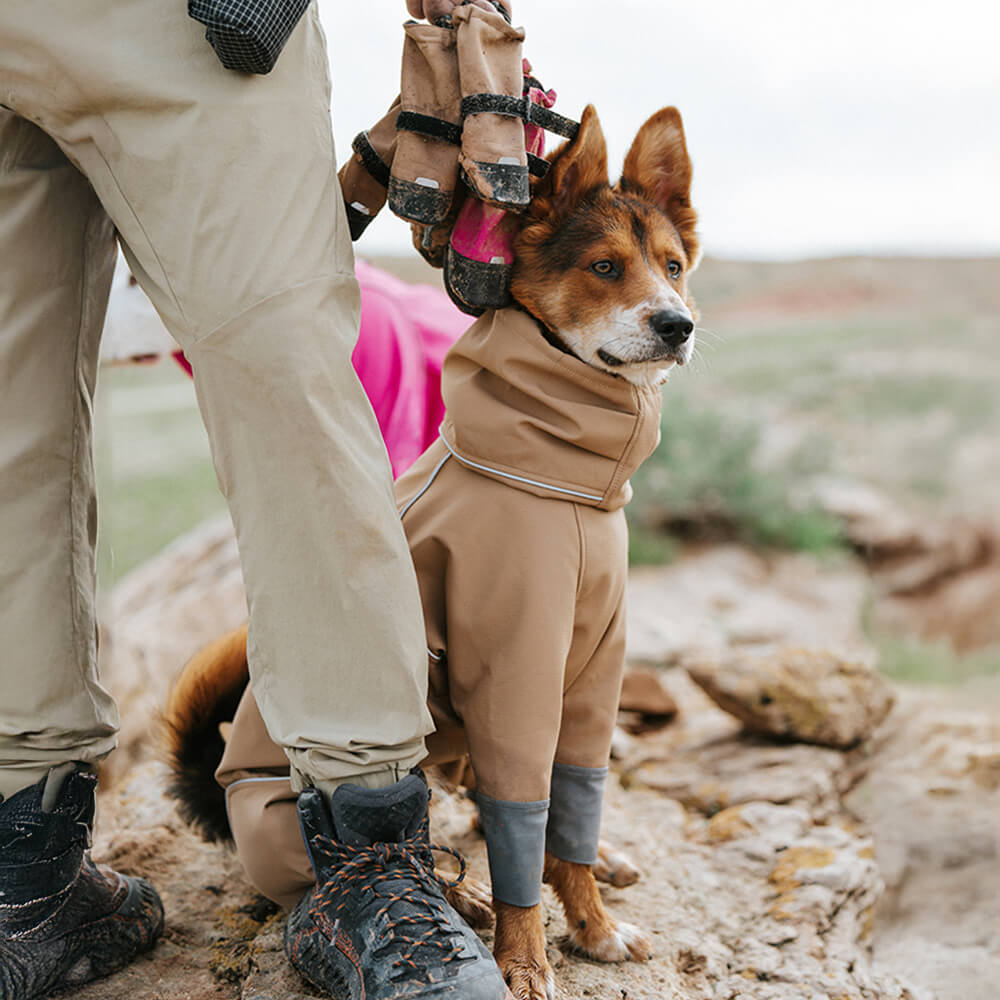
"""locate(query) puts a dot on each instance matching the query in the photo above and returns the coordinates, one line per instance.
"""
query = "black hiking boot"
(63, 920)
(376, 925)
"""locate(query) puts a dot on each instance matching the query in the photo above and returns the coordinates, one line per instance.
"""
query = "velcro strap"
(538, 166)
(520, 107)
(433, 128)
(370, 160)
(494, 104)
(552, 121)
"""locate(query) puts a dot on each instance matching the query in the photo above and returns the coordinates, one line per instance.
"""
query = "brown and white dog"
(601, 271)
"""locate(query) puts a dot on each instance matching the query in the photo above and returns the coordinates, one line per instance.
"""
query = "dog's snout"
(671, 326)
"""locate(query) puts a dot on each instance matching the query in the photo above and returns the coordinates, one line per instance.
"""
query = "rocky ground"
(772, 869)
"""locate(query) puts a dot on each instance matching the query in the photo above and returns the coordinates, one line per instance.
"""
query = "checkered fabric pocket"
(248, 35)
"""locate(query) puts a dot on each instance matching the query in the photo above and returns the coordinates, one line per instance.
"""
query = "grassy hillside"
(882, 370)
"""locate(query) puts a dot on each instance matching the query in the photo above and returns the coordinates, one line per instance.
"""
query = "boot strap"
(432, 128)
(538, 166)
(370, 159)
(520, 107)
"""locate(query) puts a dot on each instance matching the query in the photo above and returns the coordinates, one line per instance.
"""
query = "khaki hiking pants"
(118, 119)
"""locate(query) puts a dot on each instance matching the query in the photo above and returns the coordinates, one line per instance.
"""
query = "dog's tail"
(203, 698)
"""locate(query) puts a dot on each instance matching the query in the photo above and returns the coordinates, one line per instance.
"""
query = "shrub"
(706, 482)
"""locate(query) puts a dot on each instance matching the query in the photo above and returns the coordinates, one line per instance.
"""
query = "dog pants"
(118, 118)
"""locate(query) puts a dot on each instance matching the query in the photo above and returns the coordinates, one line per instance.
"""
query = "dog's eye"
(674, 268)
(605, 268)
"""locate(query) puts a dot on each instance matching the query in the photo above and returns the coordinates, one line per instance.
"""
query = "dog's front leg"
(592, 932)
(472, 901)
(519, 949)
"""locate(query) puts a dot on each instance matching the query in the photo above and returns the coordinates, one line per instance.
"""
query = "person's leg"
(224, 191)
(57, 252)
(63, 920)
(223, 188)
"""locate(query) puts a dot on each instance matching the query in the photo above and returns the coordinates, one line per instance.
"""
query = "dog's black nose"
(671, 326)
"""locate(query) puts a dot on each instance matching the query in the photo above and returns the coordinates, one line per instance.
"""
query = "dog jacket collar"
(523, 412)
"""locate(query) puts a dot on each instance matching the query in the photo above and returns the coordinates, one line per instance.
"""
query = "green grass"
(706, 481)
(922, 661)
(155, 476)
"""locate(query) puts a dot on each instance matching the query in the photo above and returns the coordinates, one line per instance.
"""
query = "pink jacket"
(406, 331)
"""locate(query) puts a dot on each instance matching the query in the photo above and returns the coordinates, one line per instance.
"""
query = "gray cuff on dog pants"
(515, 840)
(574, 827)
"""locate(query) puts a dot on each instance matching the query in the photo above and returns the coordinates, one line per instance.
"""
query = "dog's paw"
(613, 867)
(619, 942)
(473, 901)
(528, 980)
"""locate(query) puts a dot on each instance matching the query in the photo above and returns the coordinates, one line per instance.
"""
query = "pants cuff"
(574, 825)
(515, 841)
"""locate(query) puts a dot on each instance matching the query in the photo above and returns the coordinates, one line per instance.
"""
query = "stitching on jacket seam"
(582, 562)
(616, 479)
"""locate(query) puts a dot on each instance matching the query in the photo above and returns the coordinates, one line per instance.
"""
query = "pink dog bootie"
(479, 258)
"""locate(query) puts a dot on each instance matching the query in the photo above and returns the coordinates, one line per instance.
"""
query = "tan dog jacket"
(515, 524)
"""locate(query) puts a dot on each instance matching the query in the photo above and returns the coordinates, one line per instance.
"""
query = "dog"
(515, 522)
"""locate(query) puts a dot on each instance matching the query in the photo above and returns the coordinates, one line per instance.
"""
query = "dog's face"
(606, 268)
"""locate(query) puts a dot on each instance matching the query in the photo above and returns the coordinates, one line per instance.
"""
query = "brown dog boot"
(425, 168)
(364, 178)
(490, 69)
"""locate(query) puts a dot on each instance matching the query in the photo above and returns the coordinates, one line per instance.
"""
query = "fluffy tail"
(203, 697)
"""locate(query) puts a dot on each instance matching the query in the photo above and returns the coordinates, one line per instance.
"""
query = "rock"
(962, 609)
(811, 695)
(757, 882)
(932, 804)
(645, 703)
(937, 577)
(711, 600)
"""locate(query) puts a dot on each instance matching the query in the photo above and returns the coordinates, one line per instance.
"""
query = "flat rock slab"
(758, 902)
(759, 883)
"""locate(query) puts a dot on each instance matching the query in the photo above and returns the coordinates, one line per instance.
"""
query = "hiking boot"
(377, 925)
(64, 920)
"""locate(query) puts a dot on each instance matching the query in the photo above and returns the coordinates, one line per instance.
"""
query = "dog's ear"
(658, 169)
(575, 169)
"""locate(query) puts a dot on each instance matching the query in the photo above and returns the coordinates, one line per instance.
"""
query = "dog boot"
(376, 926)
(364, 178)
(493, 111)
(480, 254)
(431, 242)
(425, 167)
(63, 920)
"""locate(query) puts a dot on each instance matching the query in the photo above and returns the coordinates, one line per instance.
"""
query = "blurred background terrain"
(811, 378)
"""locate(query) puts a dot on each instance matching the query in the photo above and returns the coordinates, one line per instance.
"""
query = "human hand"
(433, 9)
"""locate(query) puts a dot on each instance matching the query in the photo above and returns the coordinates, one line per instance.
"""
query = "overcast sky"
(862, 126)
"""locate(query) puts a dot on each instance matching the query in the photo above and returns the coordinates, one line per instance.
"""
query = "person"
(405, 332)
(119, 120)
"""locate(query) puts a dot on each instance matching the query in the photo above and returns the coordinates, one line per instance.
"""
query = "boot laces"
(362, 869)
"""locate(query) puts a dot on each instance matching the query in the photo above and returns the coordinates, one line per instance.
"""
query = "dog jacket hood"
(523, 412)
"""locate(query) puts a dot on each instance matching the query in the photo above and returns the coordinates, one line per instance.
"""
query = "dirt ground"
(771, 870)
